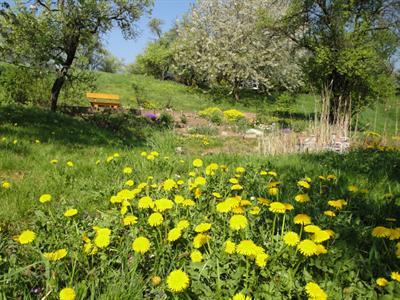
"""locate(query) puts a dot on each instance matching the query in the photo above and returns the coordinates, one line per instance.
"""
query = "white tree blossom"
(220, 42)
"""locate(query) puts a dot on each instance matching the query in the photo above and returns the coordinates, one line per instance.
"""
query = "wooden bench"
(103, 100)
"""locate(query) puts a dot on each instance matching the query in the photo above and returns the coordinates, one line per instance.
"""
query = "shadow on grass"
(33, 123)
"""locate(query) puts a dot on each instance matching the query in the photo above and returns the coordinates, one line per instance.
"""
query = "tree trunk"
(59, 82)
(55, 91)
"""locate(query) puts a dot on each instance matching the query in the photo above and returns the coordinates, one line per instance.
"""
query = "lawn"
(162, 225)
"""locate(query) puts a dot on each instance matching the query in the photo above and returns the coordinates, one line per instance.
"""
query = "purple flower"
(151, 116)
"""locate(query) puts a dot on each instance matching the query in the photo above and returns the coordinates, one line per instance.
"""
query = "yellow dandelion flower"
(129, 182)
(312, 228)
(240, 296)
(183, 224)
(45, 198)
(174, 234)
(141, 245)
(67, 294)
(307, 248)
(54, 161)
(238, 222)
(314, 292)
(70, 164)
(230, 247)
(155, 219)
(26, 237)
(301, 198)
(381, 232)
(273, 191)
(217, 195)
(233, 180)
(130, 220)
(169, 184)
(236, 187)
(197, 163)
(6, 185)
(163, 204)
(188, 202)
(246, 247)
(395, 276)
(291, 238)
(321, 249)
(178, 281)
(255, 210)
(302, 219)
(203, 227)
(394, 234)
(277, 207)
(338, 204)
(303, 184)
(200, 181)
(382, 281)
(196, 256)
(200, 239)
(70, 212)
(263, 201)
(102, 240)
(145, 202)
(321, 236)
(329, 213)
(127, 170)
(56, 255)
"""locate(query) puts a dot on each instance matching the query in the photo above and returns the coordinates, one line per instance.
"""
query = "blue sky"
(166, 10)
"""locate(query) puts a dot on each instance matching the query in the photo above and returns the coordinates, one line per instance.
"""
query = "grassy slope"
(185, 98)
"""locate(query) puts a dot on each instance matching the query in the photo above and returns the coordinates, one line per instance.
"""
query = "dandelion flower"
(155, 219)
(45, 198)
(321, 236)
(246, 247)
(130, 220)
(302, 219)
(395, 276)
(238, 222)
(71, 212)
(261, 259)
(303, 184)
(183, 224)
(169, 184)
(321, 249)
(145, 202)
(329, 213)
(174, 234)
(54, 161)
(178, 281)
(203, 227)
(312, 228)
(141, 245)
(200, 239)
(307, 248)
(70, 164)
(352, 188)
(163, 204)
(102, 240)
(314, 292)
(26, 237)
(6, 185)
(277, 207)
(381, 232)
(240, 296)
(338, 204)
(230, 247)
(179, 199)
(67, 294)
(255, 210)
(291, 238)
(197, 163)
(56, 255)
(273, 191)
(301, 198)
(196, 256)
(382, 281)
(127, 170)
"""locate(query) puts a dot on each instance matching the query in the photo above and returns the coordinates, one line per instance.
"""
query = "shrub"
(233, 115)
(166, 120)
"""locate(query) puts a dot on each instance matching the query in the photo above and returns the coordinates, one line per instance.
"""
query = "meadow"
(87, 213)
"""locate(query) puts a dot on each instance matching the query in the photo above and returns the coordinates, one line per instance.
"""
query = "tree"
(54, 34)
(220, 43)
(155, 26)
(349, 45)
(110, 63)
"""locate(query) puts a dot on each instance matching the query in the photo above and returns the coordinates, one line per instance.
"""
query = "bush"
(166, 120)
(233, 115)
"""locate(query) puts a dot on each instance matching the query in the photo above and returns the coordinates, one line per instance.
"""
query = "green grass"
(354, 260)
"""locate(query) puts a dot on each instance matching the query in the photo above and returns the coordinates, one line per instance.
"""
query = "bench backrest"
(98, 96)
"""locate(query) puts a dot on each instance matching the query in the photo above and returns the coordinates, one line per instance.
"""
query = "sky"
(166, 10)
